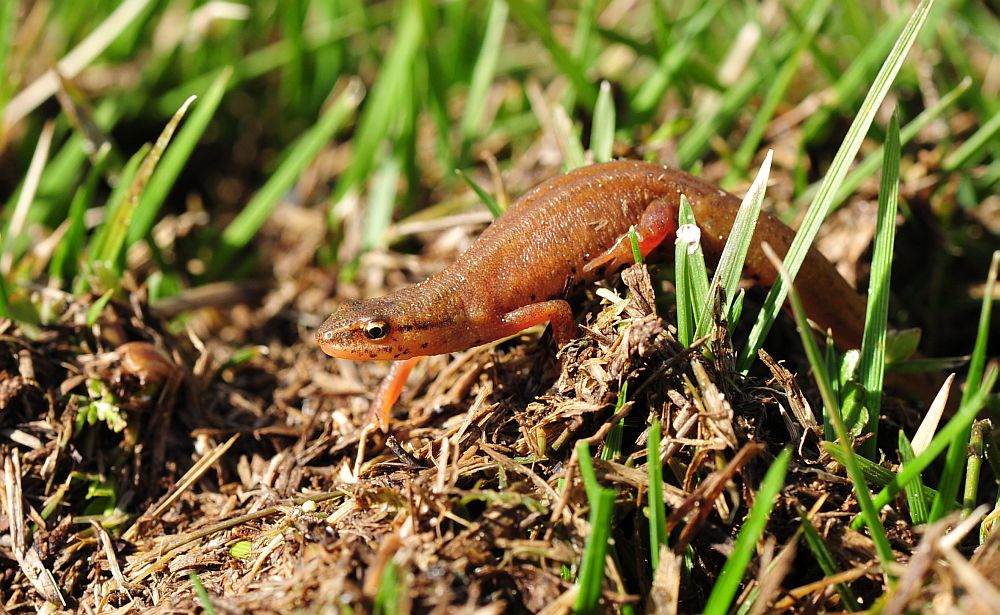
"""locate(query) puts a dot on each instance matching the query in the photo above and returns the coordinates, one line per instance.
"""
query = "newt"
(564, 233)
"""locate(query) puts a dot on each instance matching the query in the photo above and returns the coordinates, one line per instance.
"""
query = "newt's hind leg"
(557, 312)
(658, 222)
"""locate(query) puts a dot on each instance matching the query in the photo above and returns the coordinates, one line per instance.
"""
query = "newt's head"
(383, 328)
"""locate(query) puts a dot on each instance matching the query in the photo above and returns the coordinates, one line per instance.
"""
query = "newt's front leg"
(556, 312)
(389, 391)
(659, 221)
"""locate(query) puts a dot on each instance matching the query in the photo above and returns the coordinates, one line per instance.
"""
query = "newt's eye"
(376, 329)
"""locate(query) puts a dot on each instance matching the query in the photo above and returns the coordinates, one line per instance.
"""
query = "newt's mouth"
(326, 339)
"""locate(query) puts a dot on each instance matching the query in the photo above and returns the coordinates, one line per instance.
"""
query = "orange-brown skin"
(568, 231)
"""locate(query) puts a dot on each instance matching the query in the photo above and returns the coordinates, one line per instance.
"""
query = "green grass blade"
(244, 227)
(581, 47)
(487, 199)
(203, 598)
(602, 133)
(389, 592)
(728, 583)
(66, 258)
(526, 13)
(826, 562)
(633, 239)
(613, 443)
(97, 248)
(875, 475)
(595, 550)
(381, 202)
(391, 92)
(868, 510)
(975, 147)
(877, 315)
(652, 91)
(683, 291)
(777, 89)
(730, 268)
(952, 474)
(8, 19)
(915, 495)
(831, 182)
(587, 473)
(483, 73)
(974, 465)
(118, 224)
(176, 157)
(657, 510)
(960, 422)
(689, 238)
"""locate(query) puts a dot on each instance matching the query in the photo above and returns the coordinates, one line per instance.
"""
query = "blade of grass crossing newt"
(566, 232)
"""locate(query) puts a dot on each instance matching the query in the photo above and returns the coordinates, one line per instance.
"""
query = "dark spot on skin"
(372, 355)
(534, 297)
(573, 270)
(551, 297)
(405, 327)
(477, 342)
(425, 344)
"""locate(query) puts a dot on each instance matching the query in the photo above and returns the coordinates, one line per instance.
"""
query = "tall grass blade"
(831, 182)
(176, 157)
(657, 510)
(730, 268)
(728, 583)
(959, 423)
(696, 273)
(602, 133)
(916, 498)
(975, 147)
(487, 199)
(114, 242)
(391, 93)
(877, 315)
(483, 74)
(951, 475)
(381, 201)
(244, 227)
(868, 510)
(591, 578)
(67, 256)
(826, 562)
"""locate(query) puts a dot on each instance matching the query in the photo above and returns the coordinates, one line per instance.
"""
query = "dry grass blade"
(666, 590)
(190, 478)
(109, 553)
(928, 426)
(27, 195)
(27, 556)
(75, 61)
